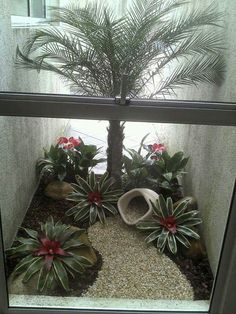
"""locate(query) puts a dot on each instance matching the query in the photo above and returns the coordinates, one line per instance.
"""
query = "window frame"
(28, 20)
(162, 111)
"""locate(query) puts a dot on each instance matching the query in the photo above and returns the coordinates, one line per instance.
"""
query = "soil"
(198, 272)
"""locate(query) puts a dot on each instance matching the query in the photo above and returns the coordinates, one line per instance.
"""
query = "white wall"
(22, 139)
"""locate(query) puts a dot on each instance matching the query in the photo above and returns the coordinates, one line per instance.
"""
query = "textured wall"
(212, 167)
(22, 139)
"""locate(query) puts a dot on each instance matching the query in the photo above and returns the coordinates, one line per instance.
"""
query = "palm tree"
(91, 49)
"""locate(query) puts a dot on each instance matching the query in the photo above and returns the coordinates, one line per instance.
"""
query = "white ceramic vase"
(125, 199)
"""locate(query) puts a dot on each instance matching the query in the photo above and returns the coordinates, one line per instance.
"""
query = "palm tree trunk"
(114, 151)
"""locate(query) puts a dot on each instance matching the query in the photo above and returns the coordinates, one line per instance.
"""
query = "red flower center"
(169, 223)
(49, 249)
(95, 197)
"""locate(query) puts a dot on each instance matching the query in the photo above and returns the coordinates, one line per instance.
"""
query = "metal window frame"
(162, 111)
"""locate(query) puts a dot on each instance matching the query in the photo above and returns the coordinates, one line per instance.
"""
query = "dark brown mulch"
(198, 272)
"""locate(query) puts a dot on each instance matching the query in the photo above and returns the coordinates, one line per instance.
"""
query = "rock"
(16, 286)
(126, 211)
(196, 251)
(58, 190)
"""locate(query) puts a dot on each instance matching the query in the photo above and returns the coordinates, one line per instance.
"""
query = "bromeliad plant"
(170, 226)
(54, 164)
(94, 198)
(168, 169)
(52, 253)
(156, 170)
(68, 158)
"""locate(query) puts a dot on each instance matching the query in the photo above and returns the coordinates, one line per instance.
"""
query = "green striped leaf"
(162, 206)
(72, 211)
(154, 235)
(182, 239)
(36, 265)
(188, 232)
(83, 260)
(73, 244)
(77, 189)
(74, 265)
(82, 214)
(101, 215)
(147, 225)
(32, 233)
(61, 274)
(84, 185)
(106, 185)
(161, 242)
(92, 180)
(103, 179)
(169, 204)
(93, 214)
(172, 245)
(156, 208)
(23, 264)
(192, 222)
(110, 208)
(42, 279)
(180, 208)
(186, 216)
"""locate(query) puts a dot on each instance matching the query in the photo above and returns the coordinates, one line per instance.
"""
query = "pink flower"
(74, 141)
(158, 148)
(62, 140)
(68, 143)
(169, 223)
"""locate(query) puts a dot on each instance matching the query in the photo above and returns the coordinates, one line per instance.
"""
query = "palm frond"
(191, 72)
(92, 48)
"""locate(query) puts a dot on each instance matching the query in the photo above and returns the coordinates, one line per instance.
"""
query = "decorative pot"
(127, 213)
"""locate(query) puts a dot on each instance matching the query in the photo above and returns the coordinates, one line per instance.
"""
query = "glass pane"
(189, 56)
(115, 268)
(19, 7)
(37, 8)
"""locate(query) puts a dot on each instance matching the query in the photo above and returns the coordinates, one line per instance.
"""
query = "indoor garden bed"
(118, 263)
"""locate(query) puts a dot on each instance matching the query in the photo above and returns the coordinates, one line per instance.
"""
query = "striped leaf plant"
(51, 254)
(170, 227)
(95, 198)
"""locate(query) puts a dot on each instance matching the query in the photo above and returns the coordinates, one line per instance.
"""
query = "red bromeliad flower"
(158, 148)
(74, 141)
(69, 143)
(95, 197)
(49, 249)
(62, 140)
(169, 223)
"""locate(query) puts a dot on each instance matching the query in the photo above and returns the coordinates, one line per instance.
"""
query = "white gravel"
(131, 269)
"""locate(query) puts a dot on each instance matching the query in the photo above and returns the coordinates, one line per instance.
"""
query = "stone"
(58, 190)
